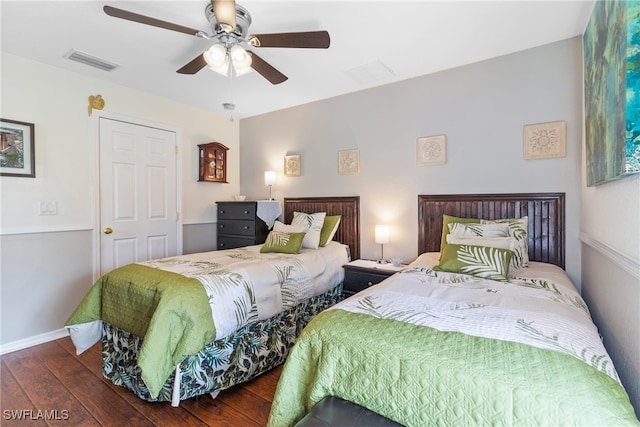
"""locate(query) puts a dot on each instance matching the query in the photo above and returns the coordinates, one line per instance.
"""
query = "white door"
(138, 198)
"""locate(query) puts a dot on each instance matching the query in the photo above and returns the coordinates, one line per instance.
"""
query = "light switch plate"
(47, 208)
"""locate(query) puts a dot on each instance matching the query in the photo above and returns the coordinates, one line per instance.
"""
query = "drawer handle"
(246, 227)
(221, 211)
(221, 225)
(369, 283)
(246, 212)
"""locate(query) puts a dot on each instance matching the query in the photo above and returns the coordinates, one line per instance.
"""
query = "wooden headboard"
(546, 213)
(348, 207)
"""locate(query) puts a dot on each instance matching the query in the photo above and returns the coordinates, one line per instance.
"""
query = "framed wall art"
(431, 150)
(349, 162)
(292, 165)
(612, 91)
(17, 149)
(544, 140)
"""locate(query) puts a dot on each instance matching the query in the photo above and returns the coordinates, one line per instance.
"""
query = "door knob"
(108, 230)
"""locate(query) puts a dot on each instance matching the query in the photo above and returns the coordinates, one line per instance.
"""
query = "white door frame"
(95, 214)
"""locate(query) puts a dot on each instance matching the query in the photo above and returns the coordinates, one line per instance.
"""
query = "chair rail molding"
(36, 229)
(627, 263)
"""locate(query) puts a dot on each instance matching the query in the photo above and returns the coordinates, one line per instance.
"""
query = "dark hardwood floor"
(49, 385)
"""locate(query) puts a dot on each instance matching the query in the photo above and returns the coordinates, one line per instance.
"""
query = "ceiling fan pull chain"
(230, 105)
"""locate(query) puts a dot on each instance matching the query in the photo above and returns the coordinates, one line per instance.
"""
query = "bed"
(458, 338)
(184, 326)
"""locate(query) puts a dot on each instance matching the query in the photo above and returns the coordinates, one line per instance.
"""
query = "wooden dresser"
(239, 225)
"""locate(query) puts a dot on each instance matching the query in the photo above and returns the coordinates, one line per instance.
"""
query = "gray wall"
(44, 276)
(199, 238)
(48, 261)
(610, 230)
(481, 108)
(613, 297)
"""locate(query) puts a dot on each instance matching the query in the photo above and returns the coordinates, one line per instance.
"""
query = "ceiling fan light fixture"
(240, 59)
(217, 59)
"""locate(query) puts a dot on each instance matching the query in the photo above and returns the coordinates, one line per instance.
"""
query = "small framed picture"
(544, 140)
(292, 165)
(17, 149)
(349, 162)
(431, 150)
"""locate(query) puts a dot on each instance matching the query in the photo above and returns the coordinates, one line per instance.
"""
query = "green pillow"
(446, 220)
(281, 242)
(480, 261)
(329, 228)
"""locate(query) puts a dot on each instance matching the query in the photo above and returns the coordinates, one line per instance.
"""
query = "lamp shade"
(240, 58)
(217, 59)
(269, 178)
(382, 234)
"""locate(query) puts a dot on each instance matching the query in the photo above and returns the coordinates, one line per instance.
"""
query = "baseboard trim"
(31, 341)
(628, 264)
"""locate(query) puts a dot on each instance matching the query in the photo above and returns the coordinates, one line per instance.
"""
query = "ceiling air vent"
(92, 61)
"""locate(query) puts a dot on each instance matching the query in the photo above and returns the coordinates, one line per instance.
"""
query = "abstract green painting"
(612, 91)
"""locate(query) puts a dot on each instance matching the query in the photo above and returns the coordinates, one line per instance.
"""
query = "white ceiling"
(409, 38)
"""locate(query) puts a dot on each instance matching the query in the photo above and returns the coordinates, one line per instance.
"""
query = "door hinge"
(177, 149)
(177, 216)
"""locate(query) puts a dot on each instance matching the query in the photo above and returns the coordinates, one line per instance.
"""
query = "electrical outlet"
(47, 208)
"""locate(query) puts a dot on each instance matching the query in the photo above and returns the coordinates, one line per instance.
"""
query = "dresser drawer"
(231, 242)
(237, 210)
(237, 227)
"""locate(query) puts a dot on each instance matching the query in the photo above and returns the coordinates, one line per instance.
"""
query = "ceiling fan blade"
(225, 11)
(130, 16)
(193, 66)
(308, 39)
(266, 70)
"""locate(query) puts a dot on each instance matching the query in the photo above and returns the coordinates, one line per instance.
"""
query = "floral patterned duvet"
(180, 304)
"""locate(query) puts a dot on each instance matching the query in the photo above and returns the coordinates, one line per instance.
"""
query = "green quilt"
(441, 378)
(170, 311)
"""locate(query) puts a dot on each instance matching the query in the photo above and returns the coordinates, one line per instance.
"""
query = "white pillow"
(427, 259)
(477, 229)
(313, 224)
(292, 228)
(492, 242)
(518, 231)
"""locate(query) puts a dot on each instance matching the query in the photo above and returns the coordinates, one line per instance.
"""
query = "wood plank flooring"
(50, 385)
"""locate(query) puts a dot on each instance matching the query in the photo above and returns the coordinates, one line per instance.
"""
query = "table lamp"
(382, 237)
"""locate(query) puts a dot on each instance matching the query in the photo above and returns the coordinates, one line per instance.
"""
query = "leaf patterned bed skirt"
(223, 363)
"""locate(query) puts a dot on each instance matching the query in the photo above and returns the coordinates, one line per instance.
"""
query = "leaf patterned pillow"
(480, 261)
(517, 230)
(446, 220)
(281, 242)
(479, 229)
(289, 228)
(492, 242)
(313, 222)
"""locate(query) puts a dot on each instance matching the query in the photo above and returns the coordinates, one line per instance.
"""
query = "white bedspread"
(244, 285)
(539, 306)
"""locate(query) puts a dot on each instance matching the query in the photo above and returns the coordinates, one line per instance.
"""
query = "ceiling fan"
(229, 25)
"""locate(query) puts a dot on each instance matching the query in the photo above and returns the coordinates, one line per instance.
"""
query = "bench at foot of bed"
(335, 412)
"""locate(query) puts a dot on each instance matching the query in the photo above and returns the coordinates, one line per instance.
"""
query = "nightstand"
(362, 273)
